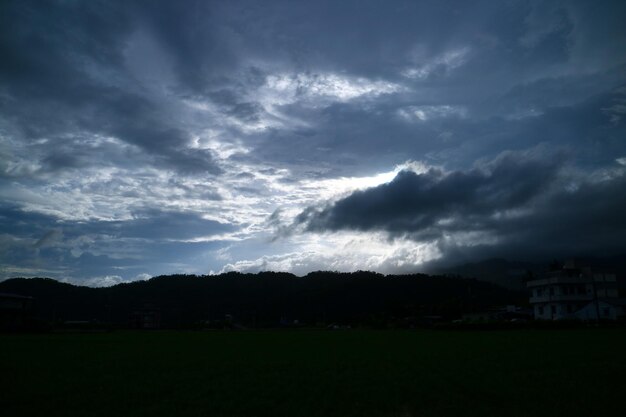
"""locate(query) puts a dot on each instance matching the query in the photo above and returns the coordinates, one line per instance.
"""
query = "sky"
(140, 138)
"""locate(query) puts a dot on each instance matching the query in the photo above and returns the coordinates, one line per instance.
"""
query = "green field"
(315, 373)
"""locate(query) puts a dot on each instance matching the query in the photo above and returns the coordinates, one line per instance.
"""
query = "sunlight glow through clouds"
(344, 252)
(336, 187)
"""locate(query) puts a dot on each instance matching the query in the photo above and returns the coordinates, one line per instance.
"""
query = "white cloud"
(443, 63)
(345, 252)
(104, 281)
(426, 113)
(142, 277)
(319, 89)
(210, 140)
(283, 88)
(109, 280)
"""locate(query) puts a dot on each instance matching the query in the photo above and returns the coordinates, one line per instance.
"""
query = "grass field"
(315, 373)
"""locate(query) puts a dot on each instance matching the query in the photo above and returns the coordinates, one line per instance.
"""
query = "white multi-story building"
(574, 292)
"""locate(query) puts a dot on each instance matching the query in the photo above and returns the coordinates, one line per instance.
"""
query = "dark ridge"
(266, 299)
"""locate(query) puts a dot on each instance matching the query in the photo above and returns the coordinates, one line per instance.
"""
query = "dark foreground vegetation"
(261, 300)
(315, 373)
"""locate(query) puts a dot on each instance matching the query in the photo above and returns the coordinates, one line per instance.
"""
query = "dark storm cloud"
(585, 222)
(526, 206)
(414, 202)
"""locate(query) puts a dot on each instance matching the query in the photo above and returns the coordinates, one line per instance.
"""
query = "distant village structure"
(510, 313)
(146, 318)
(575, 292)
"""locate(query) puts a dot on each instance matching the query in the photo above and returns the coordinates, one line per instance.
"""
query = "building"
(576, 292)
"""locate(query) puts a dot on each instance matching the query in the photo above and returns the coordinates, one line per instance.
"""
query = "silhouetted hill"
(264, 299)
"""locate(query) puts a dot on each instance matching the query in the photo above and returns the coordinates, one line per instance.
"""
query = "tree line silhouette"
(266, 299)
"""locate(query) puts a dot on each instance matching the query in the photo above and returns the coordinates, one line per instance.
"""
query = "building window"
(540, 310)
(551, 290)
(553, 310)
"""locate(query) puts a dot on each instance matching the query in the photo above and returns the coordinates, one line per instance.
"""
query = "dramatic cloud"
(414, 202)
(153, 137)
(518, 205)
